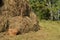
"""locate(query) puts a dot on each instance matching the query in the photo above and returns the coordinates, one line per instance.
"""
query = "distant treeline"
(46, 9)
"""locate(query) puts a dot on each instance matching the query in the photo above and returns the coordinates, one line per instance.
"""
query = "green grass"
(50, 30)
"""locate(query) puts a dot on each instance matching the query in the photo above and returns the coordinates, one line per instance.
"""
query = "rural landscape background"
(48, 14)
(48, 11)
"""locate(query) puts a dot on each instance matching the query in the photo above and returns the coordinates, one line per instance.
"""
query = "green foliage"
(45, 9)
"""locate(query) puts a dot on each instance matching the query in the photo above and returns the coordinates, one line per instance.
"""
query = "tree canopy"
(46, 9)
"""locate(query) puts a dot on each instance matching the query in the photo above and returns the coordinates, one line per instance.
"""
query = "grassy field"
(50, 30)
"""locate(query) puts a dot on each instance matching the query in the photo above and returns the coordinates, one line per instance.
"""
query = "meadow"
(49, 30)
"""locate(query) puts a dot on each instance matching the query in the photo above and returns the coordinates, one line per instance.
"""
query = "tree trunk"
(50, 8)
(51, 15)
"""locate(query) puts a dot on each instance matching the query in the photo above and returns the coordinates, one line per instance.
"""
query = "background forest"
(46, 9)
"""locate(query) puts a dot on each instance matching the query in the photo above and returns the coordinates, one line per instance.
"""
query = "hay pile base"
(22, 24)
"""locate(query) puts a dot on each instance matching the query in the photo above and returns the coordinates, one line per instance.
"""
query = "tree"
(45, 9)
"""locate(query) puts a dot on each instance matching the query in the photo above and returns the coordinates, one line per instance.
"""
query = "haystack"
(17, 14)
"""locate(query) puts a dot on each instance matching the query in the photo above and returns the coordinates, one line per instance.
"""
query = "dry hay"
(12, 32)
(3, 23)
(23, 24)
(16, 17)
